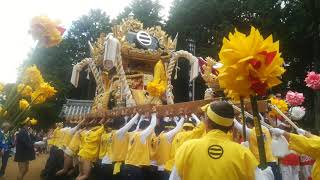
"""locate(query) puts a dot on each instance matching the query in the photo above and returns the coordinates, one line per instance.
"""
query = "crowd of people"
(210, 145)
(22, 144)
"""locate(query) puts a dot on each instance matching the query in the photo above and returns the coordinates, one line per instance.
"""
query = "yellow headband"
(188, 125)
(222, 121)
(169, 127)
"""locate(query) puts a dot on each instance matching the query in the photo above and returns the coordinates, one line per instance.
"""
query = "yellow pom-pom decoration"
(23, 104)
(46, 31)
(26, 120)
(33, 122)
(280, 104)
(157, 87)
(24, 90)
(43, 92)
(32, 76)
(38, 98)
(47, 90)
(1, 87)
(251, 64)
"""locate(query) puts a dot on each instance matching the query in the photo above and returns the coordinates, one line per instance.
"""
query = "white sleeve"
(126, 119)
(169, 135)
(121, 132)
(239, 127)
(141, 119)
(175, 119)
(174, 174)
(265, 174)
(145, 133)
(196, 118)
(74, 129)
(64, 129)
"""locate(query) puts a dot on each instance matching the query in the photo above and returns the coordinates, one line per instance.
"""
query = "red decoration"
(255, 63)
(202, 63)
(61, 30)
(258, 86)
(269, 56)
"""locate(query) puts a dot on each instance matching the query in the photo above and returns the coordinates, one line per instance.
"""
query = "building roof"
(75, 107)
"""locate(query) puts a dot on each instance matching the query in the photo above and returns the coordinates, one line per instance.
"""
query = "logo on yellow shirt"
(215, 151)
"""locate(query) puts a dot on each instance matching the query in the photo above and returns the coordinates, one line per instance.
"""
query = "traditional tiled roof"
(75, 107)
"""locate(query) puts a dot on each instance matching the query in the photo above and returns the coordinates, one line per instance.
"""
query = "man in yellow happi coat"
(164, 143)
(138, 155)
(68, 154)
(119, 144)
(305, 143)
(105, 168)
(253, 144)
(189, 132)
(55, 158)
(89, 151)
(215, 156)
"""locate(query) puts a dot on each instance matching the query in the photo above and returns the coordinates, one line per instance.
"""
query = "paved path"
(35, 168)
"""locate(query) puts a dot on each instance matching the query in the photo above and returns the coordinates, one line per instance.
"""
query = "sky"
(15, 17)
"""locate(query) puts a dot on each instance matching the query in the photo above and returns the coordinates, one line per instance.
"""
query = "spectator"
(5, 145)
(24, 150)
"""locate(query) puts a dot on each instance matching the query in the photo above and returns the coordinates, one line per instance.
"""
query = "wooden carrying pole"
(168, 110)
(244, 133)
(284, 116)
(258, 130)
(250, 116)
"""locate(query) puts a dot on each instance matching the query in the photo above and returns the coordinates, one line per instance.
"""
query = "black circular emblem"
(215, 151)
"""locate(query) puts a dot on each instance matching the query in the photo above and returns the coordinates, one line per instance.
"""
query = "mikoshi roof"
(75, 107)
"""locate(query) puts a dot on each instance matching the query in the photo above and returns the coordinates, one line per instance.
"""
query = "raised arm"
(174, 131)
(74, 129)
(304, 145)
(145, 133)
(120, 133)
(196, 118)
(141, 119)
(239, 127)
(175, 119)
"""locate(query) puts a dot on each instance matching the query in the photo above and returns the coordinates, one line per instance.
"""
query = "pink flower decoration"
(294, 98)
(313, 80)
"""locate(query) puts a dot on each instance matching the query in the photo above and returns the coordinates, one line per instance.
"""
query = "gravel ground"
(35, 168)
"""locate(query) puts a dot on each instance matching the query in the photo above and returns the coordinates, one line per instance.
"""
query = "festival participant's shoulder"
(245, 154)
(190, 144)
(184, 152)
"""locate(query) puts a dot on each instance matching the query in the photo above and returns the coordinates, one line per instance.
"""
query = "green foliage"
(86, 28)
(293, 23)
(147, 11)
(56, 64)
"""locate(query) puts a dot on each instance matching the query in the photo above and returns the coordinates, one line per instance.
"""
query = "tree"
(147, 11)
(56, 63)
(294, 23)
(86, 28)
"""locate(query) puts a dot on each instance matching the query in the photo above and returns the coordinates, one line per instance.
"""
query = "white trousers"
(290, 172)
(306, 171)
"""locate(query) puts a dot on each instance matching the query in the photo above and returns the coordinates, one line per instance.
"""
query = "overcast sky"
(15, 16)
